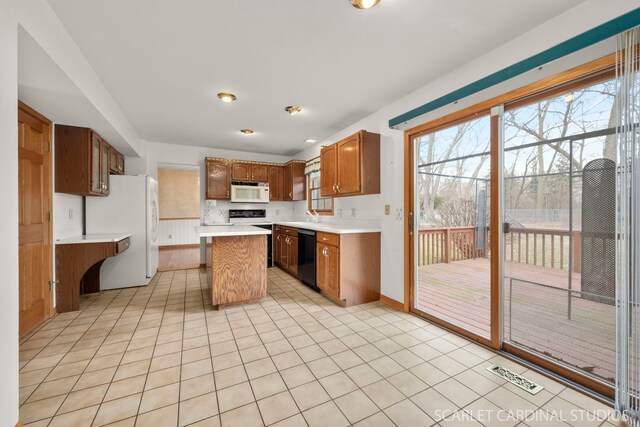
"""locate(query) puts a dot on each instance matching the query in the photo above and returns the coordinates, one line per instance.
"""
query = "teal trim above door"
(574, 44)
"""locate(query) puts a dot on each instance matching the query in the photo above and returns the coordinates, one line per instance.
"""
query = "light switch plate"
(387, 209)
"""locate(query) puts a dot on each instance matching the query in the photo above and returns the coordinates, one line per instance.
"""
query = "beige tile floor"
(161, 356)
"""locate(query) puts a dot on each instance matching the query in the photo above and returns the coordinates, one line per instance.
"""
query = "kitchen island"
(236, 258)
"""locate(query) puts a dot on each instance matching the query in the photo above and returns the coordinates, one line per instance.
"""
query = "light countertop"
(230, 230)
(93, 238)
(345, 228)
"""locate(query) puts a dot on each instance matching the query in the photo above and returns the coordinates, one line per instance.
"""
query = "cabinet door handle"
(338, 187)
(291, 195)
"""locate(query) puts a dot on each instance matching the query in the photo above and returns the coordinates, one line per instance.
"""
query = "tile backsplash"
(220, 212)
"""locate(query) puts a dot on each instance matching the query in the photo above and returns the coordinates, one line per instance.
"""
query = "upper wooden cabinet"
(241, 171)
(218, 180)
(286, 182)
(294, 181)
(81, 162)
(252, 172)
(116, 162)
(351, 166)
(276, 183)
(259, 173)
(328, 171)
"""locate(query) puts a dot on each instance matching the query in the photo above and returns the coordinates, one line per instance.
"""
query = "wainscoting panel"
(178, 232)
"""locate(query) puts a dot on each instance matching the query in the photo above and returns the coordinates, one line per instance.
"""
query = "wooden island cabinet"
(236, 263)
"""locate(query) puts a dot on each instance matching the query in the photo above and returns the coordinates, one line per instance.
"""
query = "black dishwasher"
(307, 257)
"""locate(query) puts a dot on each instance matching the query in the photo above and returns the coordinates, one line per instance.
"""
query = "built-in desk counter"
(78, 262)
(236, 263)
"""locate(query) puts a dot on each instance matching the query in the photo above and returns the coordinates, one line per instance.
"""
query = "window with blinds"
(322, 205)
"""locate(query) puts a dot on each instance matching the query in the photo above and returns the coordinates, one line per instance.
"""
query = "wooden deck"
(576, 331)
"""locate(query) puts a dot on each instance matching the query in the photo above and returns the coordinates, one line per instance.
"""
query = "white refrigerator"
(131, 207)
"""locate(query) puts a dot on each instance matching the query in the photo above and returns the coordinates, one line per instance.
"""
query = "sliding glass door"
(559, 229)
(452, 265)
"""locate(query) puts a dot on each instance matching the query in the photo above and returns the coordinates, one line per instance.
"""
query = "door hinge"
(52, 285)
(49, 215)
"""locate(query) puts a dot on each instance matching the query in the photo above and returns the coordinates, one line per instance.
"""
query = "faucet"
(314, 216)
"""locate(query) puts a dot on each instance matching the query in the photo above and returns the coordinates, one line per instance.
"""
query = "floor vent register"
(515, 379)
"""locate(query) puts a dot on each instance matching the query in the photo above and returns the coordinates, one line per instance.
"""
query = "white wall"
(173, 232)
(9, 214)
(68, 214)
(42, 24)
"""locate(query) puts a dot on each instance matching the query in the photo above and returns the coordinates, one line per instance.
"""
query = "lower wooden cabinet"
(328, 269)
(347, 265)
(286, 248)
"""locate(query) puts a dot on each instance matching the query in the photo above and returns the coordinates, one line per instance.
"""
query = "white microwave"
(250, 192)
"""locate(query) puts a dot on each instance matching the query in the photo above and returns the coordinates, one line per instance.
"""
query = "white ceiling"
(164, 60)
(45, 87)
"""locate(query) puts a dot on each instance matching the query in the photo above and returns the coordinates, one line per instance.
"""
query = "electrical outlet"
(70, 213)
(387, 209)
(353, 212)
(399, 214)
(277, 212)
(339, 212)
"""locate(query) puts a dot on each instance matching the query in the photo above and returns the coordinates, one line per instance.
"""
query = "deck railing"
(537, 246)
(444, 245)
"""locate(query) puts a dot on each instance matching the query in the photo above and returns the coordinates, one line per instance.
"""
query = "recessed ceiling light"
(292, 109)
(226, 97)
(364, 4)
(310, 141)
(246, 131)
